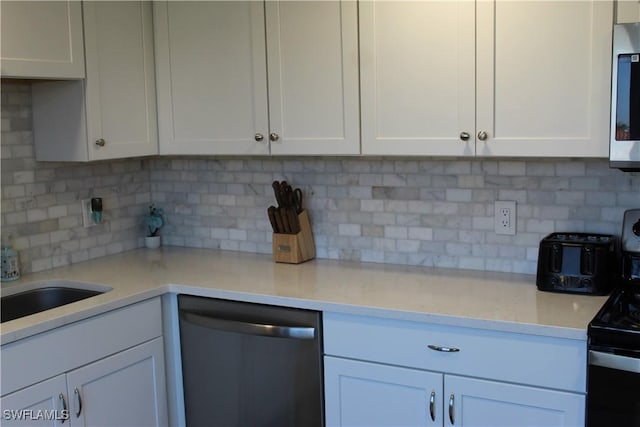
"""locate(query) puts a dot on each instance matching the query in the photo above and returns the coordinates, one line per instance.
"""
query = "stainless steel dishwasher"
(250, 365)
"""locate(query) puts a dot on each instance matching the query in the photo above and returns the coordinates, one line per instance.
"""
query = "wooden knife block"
(295, 248)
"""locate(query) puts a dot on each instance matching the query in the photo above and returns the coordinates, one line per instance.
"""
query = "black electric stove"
(613, 375)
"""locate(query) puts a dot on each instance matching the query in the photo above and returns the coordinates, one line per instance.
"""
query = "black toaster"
(583, 263)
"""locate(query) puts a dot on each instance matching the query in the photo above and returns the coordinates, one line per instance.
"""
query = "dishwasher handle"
(240, 327)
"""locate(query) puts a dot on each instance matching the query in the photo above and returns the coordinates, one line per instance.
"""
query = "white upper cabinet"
(417, 77)
(312, 57)
(42, 39)
(488, 78)
(215, 61)
(112, 113)
(121, 92)
(211, 75)
(627, 11)
(543, 78)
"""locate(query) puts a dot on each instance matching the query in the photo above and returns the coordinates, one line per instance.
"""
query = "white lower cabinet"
(390, 373)
(42, 404)
(126, 389)
(480, 403)
(95, 372)
(369, 394)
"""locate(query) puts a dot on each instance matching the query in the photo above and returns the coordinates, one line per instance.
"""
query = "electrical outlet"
(87, 221)
(505, 217)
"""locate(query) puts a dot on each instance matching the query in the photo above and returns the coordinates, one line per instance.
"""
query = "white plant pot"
(152, 242)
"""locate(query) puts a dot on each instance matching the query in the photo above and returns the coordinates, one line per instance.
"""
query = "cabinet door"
(312, 54)
(543, 77)
(42, 39)
(211, 77)
(111, 114)
(627, 11)
(120, 87)
(417, 65)
(369, 394)
(42, 404)
(126, 389)
(472, 402)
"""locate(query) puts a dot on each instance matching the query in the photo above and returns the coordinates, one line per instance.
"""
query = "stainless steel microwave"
(624, 149)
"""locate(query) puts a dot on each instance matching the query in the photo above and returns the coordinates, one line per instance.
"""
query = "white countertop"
(499, 301)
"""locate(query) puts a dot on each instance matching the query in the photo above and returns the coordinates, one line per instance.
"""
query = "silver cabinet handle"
(259, 137)
(274, 136)
(101, 142)
(465, 136)
(432, 406)
(64, 407)
(443, 349)
(76, 393)
(482, 135)
(452, 412)
(296, 332)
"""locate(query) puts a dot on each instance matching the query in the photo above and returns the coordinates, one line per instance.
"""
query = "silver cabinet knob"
(101, 142)
(274, 136)
(482, 135)
(259, 137)
(465, 136)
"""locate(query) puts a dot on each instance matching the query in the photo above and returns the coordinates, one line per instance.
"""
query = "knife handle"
(286, 228)
(278, 221)
(271, 213)
(294, 224)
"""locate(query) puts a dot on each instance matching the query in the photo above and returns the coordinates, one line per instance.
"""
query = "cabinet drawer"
(42, 356)
(520, 358)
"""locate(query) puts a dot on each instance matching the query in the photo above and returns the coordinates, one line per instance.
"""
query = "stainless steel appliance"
(584, 263)
(613, 382)
(624, 150)
(250, 364)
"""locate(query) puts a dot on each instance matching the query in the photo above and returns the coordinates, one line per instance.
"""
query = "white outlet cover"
(505, 217)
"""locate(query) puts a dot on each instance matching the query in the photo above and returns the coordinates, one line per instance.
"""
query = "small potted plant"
(153, 223)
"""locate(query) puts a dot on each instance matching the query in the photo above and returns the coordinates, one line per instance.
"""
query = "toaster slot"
(555, 258)
(587, 260)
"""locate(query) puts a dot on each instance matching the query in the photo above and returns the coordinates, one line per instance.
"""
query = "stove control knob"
(636, 228)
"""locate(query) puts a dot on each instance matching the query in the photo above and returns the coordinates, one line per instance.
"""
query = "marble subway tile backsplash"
(434, 212)
(426, 211)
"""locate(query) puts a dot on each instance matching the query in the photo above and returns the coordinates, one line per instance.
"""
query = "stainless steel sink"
(45, 296)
